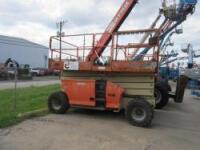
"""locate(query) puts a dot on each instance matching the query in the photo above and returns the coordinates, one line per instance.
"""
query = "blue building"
(23, 51)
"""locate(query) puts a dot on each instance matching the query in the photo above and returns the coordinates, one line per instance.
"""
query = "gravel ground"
(177, 127)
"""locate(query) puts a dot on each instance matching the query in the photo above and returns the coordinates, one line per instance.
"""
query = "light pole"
(60, 34)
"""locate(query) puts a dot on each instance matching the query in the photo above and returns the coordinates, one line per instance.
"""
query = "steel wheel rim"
(56, 104)
(158, 96)
(138, 114)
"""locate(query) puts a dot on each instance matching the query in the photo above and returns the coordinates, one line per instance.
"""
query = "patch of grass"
(28, 99)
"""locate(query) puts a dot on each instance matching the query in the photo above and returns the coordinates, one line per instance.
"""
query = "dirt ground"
(177, 127)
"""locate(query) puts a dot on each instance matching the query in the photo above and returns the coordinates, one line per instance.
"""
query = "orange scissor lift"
(98, 73)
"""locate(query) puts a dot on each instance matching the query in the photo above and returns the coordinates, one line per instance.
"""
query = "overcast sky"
(36, 19)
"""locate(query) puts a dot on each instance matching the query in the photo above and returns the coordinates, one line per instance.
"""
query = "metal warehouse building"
(23, 51)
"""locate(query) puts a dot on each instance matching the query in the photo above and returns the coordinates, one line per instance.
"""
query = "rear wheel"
(139, 113)
(58, 103)
(161, 95)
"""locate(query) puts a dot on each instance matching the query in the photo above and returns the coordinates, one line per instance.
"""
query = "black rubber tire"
(146, 120)
(163, 90)
(58, 103)
(165, 84)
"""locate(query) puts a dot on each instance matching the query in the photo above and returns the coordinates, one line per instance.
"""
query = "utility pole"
(60, 34)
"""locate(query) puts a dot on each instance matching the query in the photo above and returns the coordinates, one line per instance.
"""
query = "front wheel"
(58, 103)
(139, 113)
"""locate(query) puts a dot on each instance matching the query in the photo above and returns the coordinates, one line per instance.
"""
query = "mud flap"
(180, 89)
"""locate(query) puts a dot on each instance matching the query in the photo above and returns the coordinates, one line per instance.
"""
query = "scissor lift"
(92, 81)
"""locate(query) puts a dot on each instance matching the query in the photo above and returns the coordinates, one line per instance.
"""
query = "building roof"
(8, 40)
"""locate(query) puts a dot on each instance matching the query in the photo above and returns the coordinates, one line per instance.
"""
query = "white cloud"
(36, 19)
(32, 31)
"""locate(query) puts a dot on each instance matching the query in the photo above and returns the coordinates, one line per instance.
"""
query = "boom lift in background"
(175, 14)
(192, 70)
(191, 54)
(115, 83)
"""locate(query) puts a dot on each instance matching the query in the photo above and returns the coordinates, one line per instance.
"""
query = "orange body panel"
(80, 93)
(113, 96)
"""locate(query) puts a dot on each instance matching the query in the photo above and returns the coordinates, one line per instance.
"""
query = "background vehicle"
(38, 71)
(8, 69)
